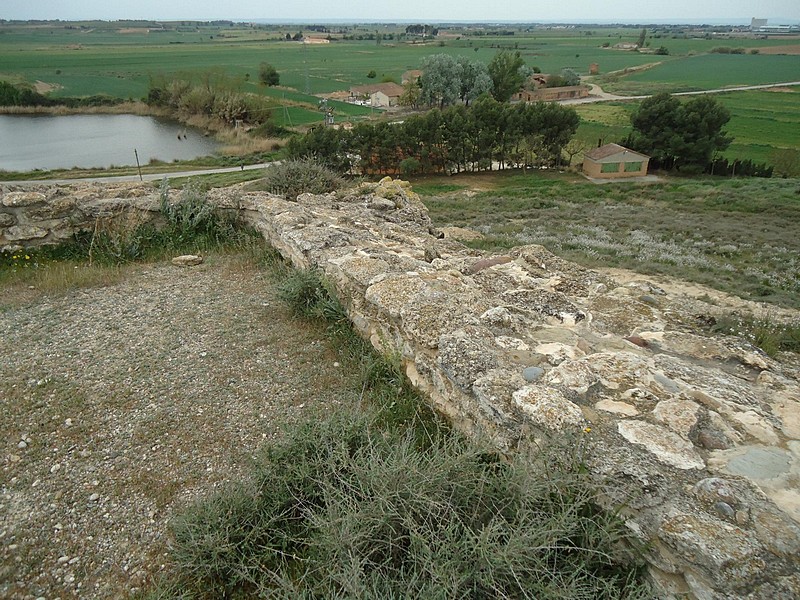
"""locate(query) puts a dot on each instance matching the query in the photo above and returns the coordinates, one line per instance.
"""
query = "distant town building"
(379, 95)
(613, 161)
(761, 26)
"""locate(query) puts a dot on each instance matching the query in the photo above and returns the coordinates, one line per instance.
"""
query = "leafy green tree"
(702, 122)
(475, 79)
(508, 72)
(411, 94)
(268, 75)
(441, 80)
(570, 76)
(9, 95)
(676, 134)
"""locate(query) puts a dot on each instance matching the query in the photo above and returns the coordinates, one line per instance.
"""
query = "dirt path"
(120, 405)
(596, 93)
(135, 178)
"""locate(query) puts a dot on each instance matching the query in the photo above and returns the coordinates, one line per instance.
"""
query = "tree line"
(24, 95)
(483, 136)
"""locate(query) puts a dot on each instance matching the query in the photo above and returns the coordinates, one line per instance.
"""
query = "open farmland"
(120, 60)
(708, 71)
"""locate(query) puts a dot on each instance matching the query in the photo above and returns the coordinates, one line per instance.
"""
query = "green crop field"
(709, 71)
(120, 59)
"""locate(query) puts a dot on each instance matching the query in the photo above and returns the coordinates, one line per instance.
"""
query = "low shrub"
(293, 177)
(767, 334)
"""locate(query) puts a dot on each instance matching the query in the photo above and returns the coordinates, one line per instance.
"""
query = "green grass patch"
(763, 332)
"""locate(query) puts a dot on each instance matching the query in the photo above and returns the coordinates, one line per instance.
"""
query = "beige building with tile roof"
(613, 161)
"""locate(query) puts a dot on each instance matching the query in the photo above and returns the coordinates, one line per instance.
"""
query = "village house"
(567, 92)
(379, 95)
(411, 75)
(613, 161)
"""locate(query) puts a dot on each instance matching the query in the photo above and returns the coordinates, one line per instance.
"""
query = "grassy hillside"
(738, 236)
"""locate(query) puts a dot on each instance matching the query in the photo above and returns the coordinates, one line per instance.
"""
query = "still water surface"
(30, 142)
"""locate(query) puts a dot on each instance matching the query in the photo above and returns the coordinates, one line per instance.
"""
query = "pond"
(29, 142)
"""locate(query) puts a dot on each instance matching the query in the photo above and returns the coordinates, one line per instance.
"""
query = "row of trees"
(25, 95)
(483, 136)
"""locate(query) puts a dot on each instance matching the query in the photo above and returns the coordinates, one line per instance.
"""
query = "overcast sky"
(677, 11)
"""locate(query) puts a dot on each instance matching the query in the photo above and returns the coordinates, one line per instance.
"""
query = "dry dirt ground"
(120, 405)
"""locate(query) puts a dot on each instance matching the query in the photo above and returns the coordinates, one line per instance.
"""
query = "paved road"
(596, 93)
(135, 178)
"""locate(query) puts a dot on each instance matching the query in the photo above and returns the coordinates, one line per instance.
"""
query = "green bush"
(293, 177)
(344, 508)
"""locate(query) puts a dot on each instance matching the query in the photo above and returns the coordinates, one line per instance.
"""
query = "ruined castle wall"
(697, 437)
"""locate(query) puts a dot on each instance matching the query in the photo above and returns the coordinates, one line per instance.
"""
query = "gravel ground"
(120, 405)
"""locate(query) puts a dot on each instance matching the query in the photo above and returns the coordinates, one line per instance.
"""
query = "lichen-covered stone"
(665, 445)
(19, 233)
(548, 407)
(730, 556)
(18, 199)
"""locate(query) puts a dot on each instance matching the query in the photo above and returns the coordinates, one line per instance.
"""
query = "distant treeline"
(486, 135)
(23, 95)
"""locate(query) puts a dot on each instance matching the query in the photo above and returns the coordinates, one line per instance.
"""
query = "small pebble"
(22, 445)
(62, 559)
(55, 468)
(68, 422)
(532, 373)
(94, 497)
(725, 509)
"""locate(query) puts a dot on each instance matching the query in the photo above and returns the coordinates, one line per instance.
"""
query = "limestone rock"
(18, 233)
(7, 220)
(665, 445)
(464, 358)
(547, 407)
(187, 260)
(17, 199)
(679, 415)
(728, 555)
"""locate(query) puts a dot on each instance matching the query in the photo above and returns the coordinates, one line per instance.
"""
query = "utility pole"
(139, 168)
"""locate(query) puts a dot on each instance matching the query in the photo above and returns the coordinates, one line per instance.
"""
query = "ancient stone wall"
(697, 436)
(52, 214)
